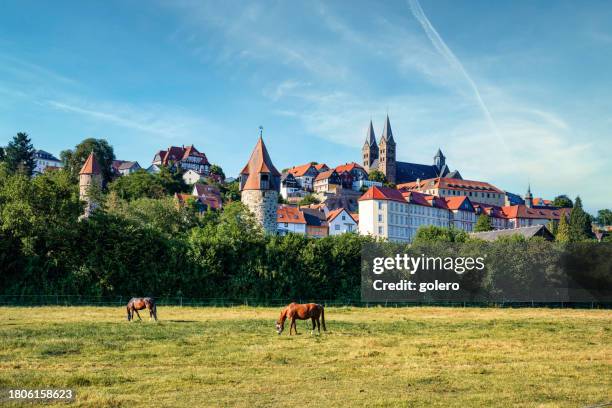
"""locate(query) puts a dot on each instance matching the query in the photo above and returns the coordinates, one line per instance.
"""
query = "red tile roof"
(334, 213)
(259, 163)
(321, 167)
(299, 171)
(541, 201)
(91, 165)
(324, 175)
(348, 167)
(449, 184)
(288, 214)
(382, 193)
(522, 211)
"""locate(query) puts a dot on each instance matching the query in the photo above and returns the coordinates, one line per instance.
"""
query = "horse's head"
(279, 327)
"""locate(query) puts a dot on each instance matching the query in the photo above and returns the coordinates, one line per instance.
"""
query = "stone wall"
(263, 204)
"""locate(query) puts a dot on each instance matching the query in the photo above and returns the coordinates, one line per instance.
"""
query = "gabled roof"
(299, 171)
(527, 232)
(314, 217)
(200, 189)
(382, 193)
(259, 163)
(321, 167)
(91, 165)
(334, 213)
(289, 214)
(348, 167)
(325, 175)
(522, 211)
(370, 136)
(449, 183)
(457, 202)
(387, 133)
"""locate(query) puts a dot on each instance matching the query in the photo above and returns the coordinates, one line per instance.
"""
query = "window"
(337, 227)
(380, 217)
(380, 205)
(380, 230)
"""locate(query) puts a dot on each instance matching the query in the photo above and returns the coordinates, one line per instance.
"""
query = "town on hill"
(379, 197)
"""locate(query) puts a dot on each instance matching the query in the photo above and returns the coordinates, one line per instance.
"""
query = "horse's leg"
(313, 325)
(137, 314)
(318, 325)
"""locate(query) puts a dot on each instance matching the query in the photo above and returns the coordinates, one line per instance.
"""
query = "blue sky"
(512, 92)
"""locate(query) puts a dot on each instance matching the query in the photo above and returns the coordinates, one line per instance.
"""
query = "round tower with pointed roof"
(259, 186)
(90, 177)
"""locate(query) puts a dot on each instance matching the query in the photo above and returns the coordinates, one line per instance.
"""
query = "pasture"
(422, 356)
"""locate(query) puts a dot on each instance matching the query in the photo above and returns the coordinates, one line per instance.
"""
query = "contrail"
(450, 57)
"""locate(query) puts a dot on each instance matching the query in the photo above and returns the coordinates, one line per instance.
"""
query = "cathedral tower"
(386, 153)
(370, 148)
(528, 197)
(439, 160)
(90, 177)
(260, 184)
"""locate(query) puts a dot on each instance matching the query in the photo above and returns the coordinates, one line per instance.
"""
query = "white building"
(43, 160)
(290, 220)
(192, 177)
(387, 213)
(340, 222)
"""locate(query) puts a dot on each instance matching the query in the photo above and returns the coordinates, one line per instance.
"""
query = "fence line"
(77, 300)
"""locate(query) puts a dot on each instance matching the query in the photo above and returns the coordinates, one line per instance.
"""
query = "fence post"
(181, 301)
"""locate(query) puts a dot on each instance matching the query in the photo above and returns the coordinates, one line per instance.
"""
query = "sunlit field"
(368, 357)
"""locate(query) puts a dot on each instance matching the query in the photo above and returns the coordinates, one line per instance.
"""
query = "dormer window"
(264, 182)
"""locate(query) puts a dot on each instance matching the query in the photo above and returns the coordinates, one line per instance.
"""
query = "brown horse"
(136, 304)
(306, 311)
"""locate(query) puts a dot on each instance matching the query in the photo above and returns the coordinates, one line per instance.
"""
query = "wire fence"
(180, 301)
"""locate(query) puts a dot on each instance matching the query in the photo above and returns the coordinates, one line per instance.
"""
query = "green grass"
(369, 357)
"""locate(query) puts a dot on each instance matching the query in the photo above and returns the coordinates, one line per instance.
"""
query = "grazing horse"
(306, 311)
(136, 304)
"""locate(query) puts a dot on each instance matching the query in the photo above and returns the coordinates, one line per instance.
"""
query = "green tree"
(377, 175)
(74, 159)
(230, 191)
(580, 222)
(604, 217)
(309, 199)
(563, 230)
(1, 153)
(433, 233)
(483, 223)
(19, 154)
(218, 171)
(563, 201)
(139, 184)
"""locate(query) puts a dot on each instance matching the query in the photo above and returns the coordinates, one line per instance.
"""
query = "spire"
(259, 163)
(91, 165)
(370, 135)
(387, 133)
(439, 153)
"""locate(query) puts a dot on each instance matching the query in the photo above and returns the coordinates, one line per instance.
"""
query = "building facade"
(476, 191)
(90, 178)
(44, 160)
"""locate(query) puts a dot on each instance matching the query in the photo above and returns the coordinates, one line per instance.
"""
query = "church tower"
(260, 185)
(90, 177)
(528, 197)
(439, 160)
(370, 148)
(386, 153)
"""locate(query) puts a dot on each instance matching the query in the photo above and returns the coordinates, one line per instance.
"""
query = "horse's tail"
(155, 309)
(323, 317)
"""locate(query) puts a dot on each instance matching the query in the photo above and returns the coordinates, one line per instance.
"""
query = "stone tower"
(260, 184)
(386, 153)
(439, 160)
(528, 197)
(90, 177)
(370, 148)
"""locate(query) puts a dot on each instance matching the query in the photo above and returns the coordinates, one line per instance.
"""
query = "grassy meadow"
(369, 357)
